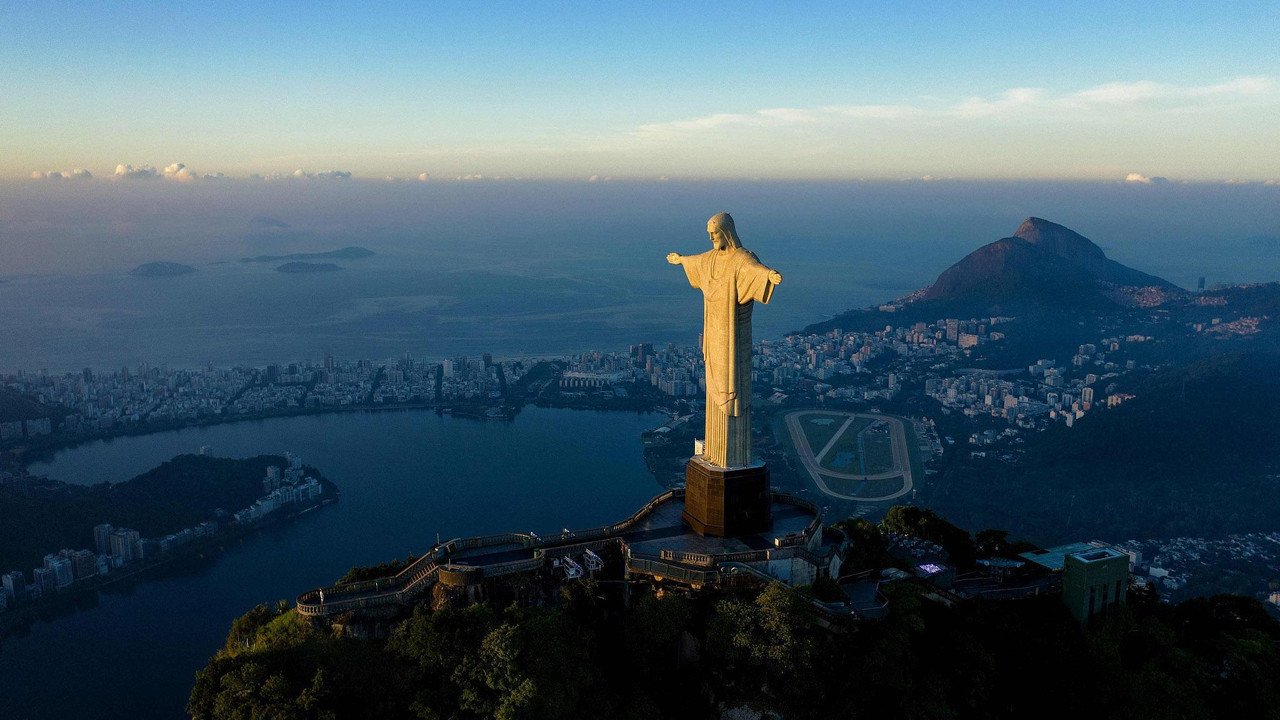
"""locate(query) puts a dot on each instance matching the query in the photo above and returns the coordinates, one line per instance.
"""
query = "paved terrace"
(656, 541)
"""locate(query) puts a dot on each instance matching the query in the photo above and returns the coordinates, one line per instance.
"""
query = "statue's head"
(724, 236)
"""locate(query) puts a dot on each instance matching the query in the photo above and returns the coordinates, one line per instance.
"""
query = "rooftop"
(1097, 554)
(1055, 557)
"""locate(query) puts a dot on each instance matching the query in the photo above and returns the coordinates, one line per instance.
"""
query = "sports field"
(819, 429)
(853, 456)
(846, 455)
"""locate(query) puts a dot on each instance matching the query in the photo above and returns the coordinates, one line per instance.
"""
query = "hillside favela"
(739, 362)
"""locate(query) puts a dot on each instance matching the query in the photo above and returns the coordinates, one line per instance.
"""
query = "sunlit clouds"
(129, 172)
(1102, 102)
(1195, 131)
(1211, 131)
(76, 174)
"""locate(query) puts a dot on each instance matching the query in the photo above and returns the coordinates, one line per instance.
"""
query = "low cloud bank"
(77, 174)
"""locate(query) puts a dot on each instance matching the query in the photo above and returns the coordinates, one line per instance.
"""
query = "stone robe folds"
(731, 282)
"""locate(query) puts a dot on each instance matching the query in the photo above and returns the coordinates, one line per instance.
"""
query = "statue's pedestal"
(726, 502)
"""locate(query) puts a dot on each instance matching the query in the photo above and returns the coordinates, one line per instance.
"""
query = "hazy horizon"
(534, 267)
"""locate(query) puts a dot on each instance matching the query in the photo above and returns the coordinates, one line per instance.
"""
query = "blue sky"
(568, 90)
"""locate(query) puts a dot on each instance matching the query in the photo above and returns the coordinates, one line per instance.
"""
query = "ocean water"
(530, 268)
(405, 477)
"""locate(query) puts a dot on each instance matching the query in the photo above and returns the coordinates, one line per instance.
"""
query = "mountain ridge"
(1041, 262)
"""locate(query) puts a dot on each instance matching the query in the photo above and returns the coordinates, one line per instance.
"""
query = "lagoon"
(405, 476)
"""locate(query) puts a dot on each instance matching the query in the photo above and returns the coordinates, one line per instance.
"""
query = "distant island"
(346, 253)
(161, 269)
(304, 267)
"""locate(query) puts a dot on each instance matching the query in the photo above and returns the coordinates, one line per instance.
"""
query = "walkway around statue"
(654, 540)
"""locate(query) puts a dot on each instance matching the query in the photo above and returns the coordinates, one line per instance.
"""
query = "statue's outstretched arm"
(675, 258)
(775, 277)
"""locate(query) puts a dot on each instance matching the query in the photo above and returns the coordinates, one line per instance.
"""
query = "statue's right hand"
(673, 258)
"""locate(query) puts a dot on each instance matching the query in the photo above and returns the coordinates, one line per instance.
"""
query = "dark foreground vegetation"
(671, 656)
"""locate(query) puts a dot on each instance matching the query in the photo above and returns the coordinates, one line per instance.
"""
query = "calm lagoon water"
(404, 476)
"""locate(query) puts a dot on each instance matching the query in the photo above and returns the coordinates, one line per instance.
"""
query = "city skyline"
(401, 91)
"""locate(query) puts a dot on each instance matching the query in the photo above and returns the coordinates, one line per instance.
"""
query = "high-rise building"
(1093, 580)
(45, 580)
(84, 564)
(64, 571)
(102, 538)
(124, 544)
(14, 584)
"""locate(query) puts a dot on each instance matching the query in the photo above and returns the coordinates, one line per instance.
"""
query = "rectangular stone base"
(727, 502)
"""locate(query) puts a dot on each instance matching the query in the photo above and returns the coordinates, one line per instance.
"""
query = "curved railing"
(522, 539)
(514, 566)
(814, 525)
(421, 574)
(655, 565)
(408, 584)
(649, 507)
(404, 585)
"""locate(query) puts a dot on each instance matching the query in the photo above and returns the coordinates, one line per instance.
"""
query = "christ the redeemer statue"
(732, 280)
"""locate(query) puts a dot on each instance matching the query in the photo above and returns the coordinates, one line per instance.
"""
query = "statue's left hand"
(775, 277)
(673, 258)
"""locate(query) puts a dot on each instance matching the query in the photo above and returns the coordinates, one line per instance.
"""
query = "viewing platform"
(655, 543)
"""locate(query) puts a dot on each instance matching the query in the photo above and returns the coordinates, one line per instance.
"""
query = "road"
(901, 458)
